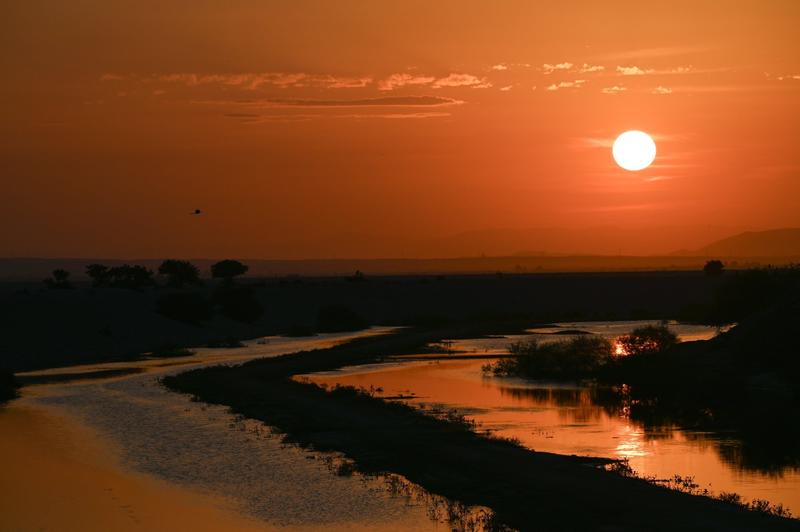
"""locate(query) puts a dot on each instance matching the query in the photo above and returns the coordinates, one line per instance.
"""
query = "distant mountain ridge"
(771, 243)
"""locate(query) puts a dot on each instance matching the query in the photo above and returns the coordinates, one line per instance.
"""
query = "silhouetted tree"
(131, 277)
(228, 269)
(98, 273)
(179, 273)
(59, 280)
(714, 268)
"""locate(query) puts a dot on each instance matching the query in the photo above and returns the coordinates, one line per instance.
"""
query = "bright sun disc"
(634, 150)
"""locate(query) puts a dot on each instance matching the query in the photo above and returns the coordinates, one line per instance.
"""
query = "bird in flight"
(196, 212)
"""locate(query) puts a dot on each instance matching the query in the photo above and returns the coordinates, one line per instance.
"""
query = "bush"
(190, 308)
(59, 280)
(338, 318)
(647, 340)
(569, 359)
(714, 268)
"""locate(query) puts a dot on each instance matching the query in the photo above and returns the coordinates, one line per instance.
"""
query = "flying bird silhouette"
(196, 212)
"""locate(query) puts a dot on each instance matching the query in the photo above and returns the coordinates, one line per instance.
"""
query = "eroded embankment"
(527, 490)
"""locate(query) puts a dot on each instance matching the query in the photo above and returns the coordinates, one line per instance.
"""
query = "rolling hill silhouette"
(772, 243)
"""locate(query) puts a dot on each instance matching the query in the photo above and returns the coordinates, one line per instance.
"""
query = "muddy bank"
(527, 490)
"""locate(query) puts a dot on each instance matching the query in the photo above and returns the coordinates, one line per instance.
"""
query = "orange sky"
(295, 125)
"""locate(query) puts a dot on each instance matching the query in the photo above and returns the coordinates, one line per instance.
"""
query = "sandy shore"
(64, 477)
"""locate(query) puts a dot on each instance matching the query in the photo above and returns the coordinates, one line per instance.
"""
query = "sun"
(634, 150)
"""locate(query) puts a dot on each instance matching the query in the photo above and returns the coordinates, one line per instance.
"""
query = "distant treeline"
(176, 273)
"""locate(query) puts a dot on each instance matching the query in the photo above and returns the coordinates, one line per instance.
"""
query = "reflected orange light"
(619, 349)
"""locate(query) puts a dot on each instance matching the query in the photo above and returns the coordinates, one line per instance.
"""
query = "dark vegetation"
(189, 307)
(570, 359)
(8, 386)
(647, 340)
(107, 322)
(714, 267)
(180, 273)
(441, 453)
(125, 276)
(338, 318)
(745, 381)
(59, 280)
(227, 270)
(171, 350)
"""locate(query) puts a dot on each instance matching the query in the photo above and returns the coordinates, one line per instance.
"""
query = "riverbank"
(95, 427)
(527, 490)
(87, 324)
(64, 476)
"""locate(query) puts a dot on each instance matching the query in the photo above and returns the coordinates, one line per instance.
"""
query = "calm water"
(165, 436)
(570, 419)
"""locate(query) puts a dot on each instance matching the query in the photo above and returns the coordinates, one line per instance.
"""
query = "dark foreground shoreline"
(527, 490)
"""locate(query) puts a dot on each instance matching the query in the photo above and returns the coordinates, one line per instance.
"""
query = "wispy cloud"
(398, 101)
(788, 78)
(250, 80)
(591, 68)
(633, 71)
(462, 80)
(547, 68)
(401, 80)
(616, 89)
(662, 90)
(249, 118)
(506, 88)
(500, 66)
(578, 83)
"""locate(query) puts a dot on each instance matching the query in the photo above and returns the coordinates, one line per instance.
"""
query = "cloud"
(632, 71)
(549, 69)
(401, 80)
(591, 68)
(397, 116)
(462, 80)
(662, 90)
(500, 66)
(252, 80)
(248, 118)
(507, 88)
(791, 77)
(578, 83)
(398, 101)
(616, 89)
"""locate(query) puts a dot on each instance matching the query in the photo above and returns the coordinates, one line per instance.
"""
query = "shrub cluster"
(575, 358)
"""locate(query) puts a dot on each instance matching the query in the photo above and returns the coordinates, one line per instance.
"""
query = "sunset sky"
(316, 129)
